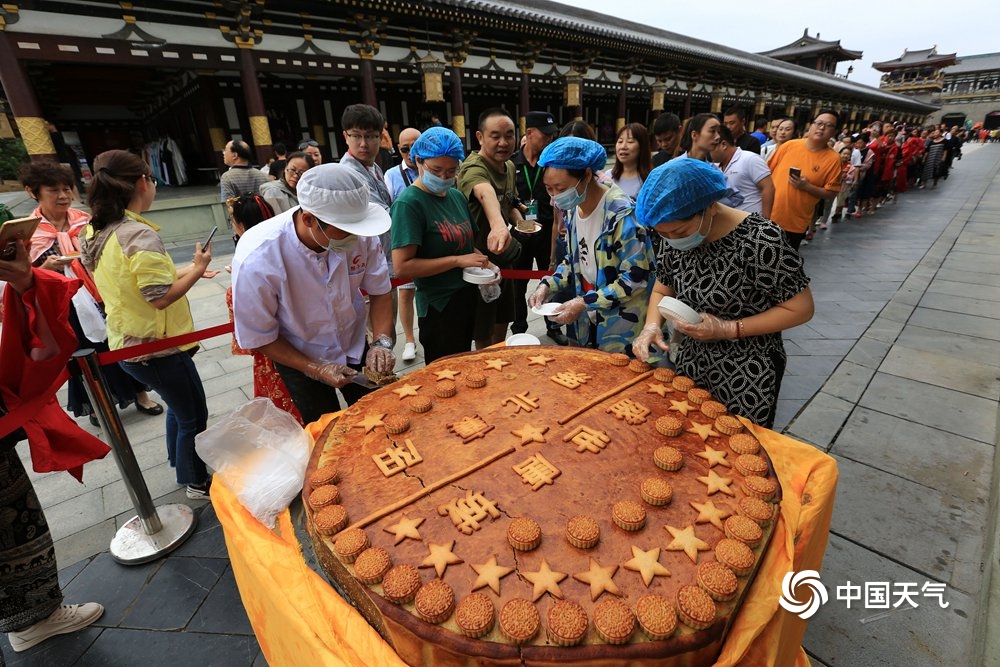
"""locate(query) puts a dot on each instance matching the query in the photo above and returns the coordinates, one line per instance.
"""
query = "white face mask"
(335, 245)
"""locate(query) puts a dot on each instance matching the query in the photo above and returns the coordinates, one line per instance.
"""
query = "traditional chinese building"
(971, 91)
(916, 74)
(814, 53)
(196, 73)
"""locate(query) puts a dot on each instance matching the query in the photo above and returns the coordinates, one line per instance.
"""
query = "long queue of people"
(714, 218)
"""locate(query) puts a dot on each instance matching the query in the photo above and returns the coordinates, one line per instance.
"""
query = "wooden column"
(457, 102)
(687, 105)
(368, 81)
(574, 95)
(24, 105)
(524, 101)
(260, 131)
(622, 103)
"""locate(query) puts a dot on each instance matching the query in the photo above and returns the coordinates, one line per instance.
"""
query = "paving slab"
(170, 648)
(926, 636)
(967, 375)
(962, 304)
(174, 593)
(918, 453)
(948, 528)
(821, 420)
(868, 352)
(849, 381)
(970, 325)
(945, 409)
(114, 585)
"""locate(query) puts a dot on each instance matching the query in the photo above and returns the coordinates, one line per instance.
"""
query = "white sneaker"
(65, 619)
(409, 352)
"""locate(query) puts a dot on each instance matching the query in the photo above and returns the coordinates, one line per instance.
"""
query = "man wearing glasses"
(311, 148)
(363, 126)
(804, 171)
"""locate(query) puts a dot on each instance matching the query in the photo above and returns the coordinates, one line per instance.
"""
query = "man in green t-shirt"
(486, 178)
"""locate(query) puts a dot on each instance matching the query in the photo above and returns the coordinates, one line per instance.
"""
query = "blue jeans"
(176, 380)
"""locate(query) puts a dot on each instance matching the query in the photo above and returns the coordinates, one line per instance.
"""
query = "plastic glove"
(380, 359)
(329, 373)
(710, 328)
(539, 296)
(650, 335)
(570, 311)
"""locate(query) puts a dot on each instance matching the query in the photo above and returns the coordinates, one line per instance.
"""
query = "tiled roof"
(808, 45)
(986, 62)
(909, 58)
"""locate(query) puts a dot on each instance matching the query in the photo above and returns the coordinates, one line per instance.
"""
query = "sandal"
(154, 409)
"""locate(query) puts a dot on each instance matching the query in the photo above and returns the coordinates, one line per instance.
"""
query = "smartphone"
(795, 171)
(209, 239)
(12, 232)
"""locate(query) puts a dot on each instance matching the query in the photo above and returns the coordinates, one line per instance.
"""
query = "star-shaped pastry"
(658, 388)
(703, 431)
(440, 557)
(599, 578)
(496, 364)
(405, 528)
(545, 581)
(686, 541)
(406, 390)
(447, 374)
(709, 513)
(647, 564)
(370, 421)
(682, 407)
(716, 483)
(714, 456)
(490, 574)
(540, 360)
(529, 433)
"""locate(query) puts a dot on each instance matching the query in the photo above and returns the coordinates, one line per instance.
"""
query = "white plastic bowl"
(520, 339)
(674, 309)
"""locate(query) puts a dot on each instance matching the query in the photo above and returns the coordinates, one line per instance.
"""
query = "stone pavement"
(896, 376)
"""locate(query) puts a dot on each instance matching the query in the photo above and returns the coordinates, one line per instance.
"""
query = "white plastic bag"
(261, 453)
(87, 311)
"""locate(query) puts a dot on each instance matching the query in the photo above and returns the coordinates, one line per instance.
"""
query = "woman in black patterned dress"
(738, 271)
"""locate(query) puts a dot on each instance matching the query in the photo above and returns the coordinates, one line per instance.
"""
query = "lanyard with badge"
(532, 214)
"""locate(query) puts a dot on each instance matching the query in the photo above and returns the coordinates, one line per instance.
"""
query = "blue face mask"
(569, 199)
(435, 184)
(694, 240)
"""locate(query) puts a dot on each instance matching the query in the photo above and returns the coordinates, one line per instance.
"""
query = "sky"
(880, 30)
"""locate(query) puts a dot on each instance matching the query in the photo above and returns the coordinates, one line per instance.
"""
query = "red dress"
(267, 383)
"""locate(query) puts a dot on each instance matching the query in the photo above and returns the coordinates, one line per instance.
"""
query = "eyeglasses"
(293, 172)
(150, 179)
(305, 144)
(369, 138)
(404, 149)
(824, 126)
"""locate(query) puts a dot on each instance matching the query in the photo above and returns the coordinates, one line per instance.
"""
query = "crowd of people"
(330, 254)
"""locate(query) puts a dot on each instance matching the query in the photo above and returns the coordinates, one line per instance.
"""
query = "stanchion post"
(154, 532)
(121, 448)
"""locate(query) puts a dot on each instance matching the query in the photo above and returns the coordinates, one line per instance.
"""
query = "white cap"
(338, 196)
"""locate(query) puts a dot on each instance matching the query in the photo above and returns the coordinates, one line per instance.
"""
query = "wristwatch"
(382, 341)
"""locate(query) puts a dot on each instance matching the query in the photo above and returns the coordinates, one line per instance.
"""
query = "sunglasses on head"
(311, 142)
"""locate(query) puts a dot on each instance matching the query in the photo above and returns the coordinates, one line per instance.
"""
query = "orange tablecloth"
(295, 613)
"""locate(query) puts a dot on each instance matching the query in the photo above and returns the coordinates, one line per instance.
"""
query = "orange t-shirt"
(793, 208)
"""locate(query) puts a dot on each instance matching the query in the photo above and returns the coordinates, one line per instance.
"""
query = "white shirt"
(588, 230)
(744, 171)
(311, 299)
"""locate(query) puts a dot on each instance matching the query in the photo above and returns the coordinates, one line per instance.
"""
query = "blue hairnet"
(678, 189)
(574, 153)
(438, 142)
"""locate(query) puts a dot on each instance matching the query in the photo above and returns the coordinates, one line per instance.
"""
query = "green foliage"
(12, 156)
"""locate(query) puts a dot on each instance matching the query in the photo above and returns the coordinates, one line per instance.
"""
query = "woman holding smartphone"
(55, 246)
(144, 295)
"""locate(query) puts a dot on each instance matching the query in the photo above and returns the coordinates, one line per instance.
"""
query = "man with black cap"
(297, 290)
(540, 130)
